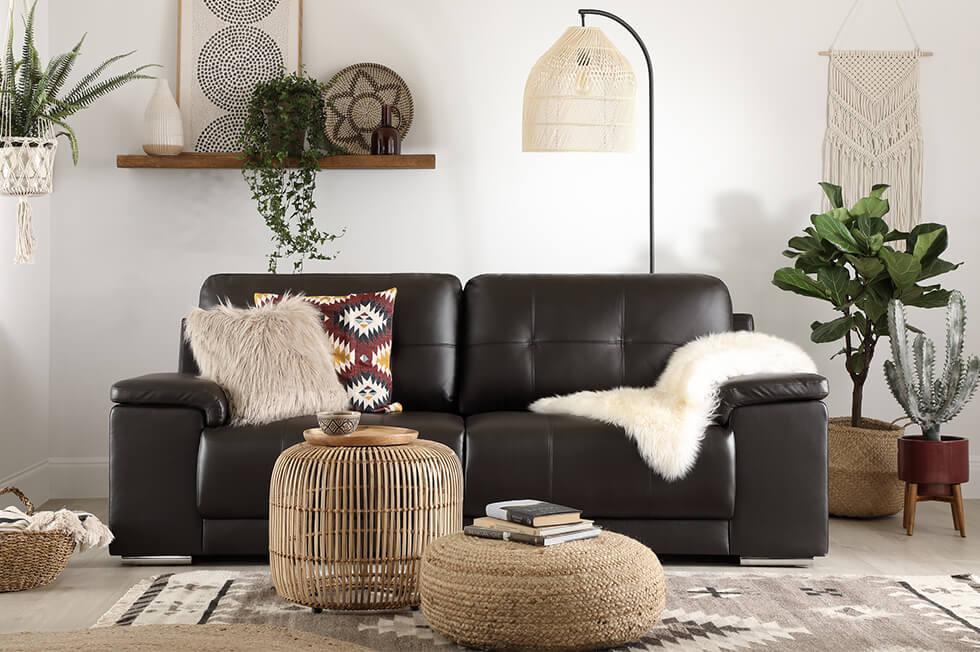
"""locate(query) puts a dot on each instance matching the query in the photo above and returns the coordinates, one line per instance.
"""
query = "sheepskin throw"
(273, 361)
(668, 421)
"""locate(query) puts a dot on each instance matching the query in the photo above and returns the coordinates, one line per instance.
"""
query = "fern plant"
(35, 95)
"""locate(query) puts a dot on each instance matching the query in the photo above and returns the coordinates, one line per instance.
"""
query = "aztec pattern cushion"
(359, 328)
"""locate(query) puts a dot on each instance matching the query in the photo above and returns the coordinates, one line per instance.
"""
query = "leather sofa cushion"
(768, 388)
(423, 354)
(529, 336)
(235, 464)
(591, 465)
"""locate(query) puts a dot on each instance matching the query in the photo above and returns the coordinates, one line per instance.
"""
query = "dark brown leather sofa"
(466, 365)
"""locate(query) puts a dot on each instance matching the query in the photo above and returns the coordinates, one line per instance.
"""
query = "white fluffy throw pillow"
(274, 362)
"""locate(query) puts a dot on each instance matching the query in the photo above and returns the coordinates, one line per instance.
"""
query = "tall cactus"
(927, 400)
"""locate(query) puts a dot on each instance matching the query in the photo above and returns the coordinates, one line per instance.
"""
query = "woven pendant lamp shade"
(580, 96)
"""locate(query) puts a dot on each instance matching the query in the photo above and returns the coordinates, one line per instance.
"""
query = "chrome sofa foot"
(158, 560)
(766, 561)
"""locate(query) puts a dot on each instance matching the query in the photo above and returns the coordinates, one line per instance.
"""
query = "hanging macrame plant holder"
(873, 130)
(26, 162)
(26, 170)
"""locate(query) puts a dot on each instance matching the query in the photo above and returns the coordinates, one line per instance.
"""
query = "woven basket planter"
(32, 559)
(348, 524)
(584, 595)
(27, 166)
(864, 468)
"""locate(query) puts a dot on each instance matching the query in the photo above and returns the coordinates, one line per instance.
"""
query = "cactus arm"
(927, 371)
(898, 338)
(966, 387)
(920, 347)
(955, 326)
(899, 390)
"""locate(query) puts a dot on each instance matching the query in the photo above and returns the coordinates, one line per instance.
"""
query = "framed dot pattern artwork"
(224, 48)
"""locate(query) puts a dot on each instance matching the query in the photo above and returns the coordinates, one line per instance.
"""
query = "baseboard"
(79, 477)
(34, 481)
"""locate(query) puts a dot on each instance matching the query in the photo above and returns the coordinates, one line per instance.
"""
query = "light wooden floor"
(94, 581)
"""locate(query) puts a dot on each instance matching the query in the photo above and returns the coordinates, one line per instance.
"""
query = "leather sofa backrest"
(529, 336)
(423, 355)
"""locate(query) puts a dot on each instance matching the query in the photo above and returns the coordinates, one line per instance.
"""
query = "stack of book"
(533, 522)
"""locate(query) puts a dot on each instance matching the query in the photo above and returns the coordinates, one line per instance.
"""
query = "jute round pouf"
(863, 474)
(348, 524)
(583, 595)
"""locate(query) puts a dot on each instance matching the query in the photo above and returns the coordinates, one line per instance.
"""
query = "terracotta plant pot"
(863, 474)
(934, 465)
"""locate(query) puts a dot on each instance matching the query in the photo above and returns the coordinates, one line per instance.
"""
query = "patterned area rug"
(726, 611)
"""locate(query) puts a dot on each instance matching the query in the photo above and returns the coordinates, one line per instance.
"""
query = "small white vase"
(163, 128)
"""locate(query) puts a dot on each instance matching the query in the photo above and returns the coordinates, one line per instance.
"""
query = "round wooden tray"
(363, 436)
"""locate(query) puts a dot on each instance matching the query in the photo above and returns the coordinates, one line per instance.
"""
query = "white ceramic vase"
(163, 128)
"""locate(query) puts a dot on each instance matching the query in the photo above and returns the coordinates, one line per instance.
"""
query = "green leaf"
(856, 364)
(867, 267)
(937, 266)
(833, 193)
(928, 241)
(932, 299)
(895, 235)
(860, 321)
(811, 263)
(795, 280)
(835, 280)
(904, 269)
(804, 243)
(870, 207)
(878, 190)
(832, 330)
(836, 233)
(874, 306)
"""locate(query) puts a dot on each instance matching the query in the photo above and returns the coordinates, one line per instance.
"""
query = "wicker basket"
(32, 559)
(864, 468)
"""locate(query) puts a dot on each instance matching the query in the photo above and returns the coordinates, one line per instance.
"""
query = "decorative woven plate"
(353, 105)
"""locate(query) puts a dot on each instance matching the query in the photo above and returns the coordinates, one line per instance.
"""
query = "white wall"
(25, 343)
(740, 116)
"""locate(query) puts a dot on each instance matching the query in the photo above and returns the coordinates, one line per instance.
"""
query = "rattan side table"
(348, 524)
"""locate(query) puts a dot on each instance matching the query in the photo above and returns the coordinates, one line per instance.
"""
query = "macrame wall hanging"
(873, 130)
(26, 159)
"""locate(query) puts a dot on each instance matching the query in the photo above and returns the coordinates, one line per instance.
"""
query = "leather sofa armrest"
(743, 321)
(768, 388)
(176, 390)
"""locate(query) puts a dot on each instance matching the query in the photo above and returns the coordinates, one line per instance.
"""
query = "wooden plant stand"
(944, 493)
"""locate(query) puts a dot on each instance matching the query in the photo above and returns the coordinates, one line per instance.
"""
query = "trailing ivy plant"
(846, 258)
(282, 142)
(35, 94)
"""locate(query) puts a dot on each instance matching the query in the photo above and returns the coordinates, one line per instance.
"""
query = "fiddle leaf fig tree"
(850, 258)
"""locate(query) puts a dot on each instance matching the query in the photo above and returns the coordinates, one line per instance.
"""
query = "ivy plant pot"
(935, 466)
(863, 474)
(286, 132)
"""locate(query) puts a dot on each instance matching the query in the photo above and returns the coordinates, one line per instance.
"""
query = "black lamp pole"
(646, 55)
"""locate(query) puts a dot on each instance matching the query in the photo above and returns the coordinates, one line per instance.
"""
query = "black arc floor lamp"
(581, 95)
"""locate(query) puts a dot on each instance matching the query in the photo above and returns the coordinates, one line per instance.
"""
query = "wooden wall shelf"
(233, 161)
